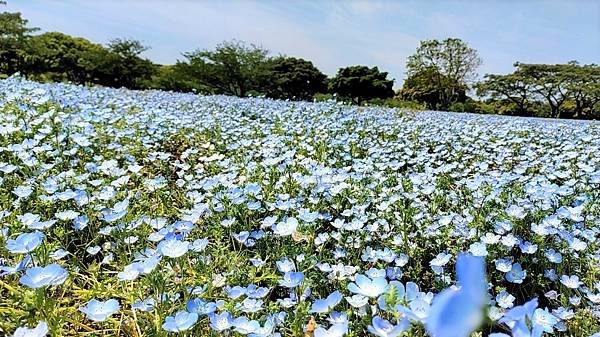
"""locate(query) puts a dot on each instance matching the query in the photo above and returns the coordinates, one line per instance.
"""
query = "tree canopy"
(233, 68)
(441, 71)
(13, 38)
(360, 83)
(293, 78)
(565, 90)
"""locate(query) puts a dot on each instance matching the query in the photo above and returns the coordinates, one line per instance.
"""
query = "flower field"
(149, 213)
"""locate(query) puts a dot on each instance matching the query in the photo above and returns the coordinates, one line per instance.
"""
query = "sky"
(334, 34)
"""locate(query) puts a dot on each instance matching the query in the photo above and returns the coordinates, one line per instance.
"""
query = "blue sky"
(334, 34)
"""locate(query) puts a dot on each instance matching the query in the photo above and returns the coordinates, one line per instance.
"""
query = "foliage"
(128, 68)
(360, 83)
(13, 38)
(440, 71)
(233, 68)
(567, 90)
(293, 78)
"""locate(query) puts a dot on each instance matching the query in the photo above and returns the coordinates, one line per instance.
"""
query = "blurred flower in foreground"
(456, 312)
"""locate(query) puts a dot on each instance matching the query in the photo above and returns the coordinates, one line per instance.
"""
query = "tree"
(129, 69)
(293, 78)
(60, 57)
(233, 68)
(512, 87)
(360, 83)
(424, 87)
(13, 37)
(548, 81)
(561, 90)
(583, 86)
(450, 65)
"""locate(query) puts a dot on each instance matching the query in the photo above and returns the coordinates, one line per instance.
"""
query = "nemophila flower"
(505, 299)
(40, 330)
(146, 305)
(438, 263)
(516, 211)
(181, 321)
(221, 322)
(478, 249)
(383, 328)
(93, 250)
(571, 281)
(291, 279)
(254, 291)
(458, 312)
(201, 307)
(285, 265)
(357, 300)
(528, 248)
(287, 227)
(327, 304)
(542, 321)
(245, 326)
(100, 311)
(520, 313)
(335, 330)
(199, 245)
(550, 274)
(553, 256)
(516, 274)
(235, 292)
(173, 248)
(37, 277)
(250, 305)
(23, 191)
(80, 222)
(307, 216)
(575, 300)
(59, 254)
(25, 242)
(9, 270)
(369, 287)
(29, 219)
(67, 215)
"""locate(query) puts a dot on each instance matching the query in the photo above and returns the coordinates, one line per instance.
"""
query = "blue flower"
(325, 305)
(221, 322)
(8, 270)
(457, 312)
(505, 299)
(571, 281)
(542, 321)
(145, 305)
(520, 312)
(335, 330)
(40, 330)
(516, 274)
(181, 321)
(291, 279)
(173, 248)
(99, 311)
(383, 328)
(245, 326)
(370, 287)
(37, 277)
(287, 227)
(201, 307)
(25, 242)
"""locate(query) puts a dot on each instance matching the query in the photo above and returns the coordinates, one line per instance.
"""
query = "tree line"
(441, 74)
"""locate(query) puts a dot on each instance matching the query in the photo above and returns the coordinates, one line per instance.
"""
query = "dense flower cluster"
(155, 213)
